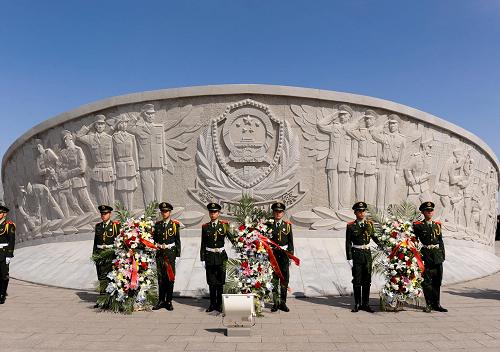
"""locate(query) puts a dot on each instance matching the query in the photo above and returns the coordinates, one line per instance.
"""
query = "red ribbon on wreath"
(414, 250)
(134, 277)
(265, 241)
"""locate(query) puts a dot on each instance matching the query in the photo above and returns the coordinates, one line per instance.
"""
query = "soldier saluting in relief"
(429, 233)
(213, 254)
(104, 238)
(357, 247)
(281, 234)
(7, 241)
(167, 239)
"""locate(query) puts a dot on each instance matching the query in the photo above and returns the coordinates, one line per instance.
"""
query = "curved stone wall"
(318, 151)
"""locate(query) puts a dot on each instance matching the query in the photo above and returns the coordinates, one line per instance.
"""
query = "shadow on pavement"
(202, 304)
(217, 331)
(87, 296)
(476, 293)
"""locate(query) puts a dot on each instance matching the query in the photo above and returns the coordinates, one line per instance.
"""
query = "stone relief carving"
(247, 150)
(383, 160)
(100, 145)
(46, 165)
(418, 174)
(391, 157)
(326, 131)
(366, 158)
(73, 191)
(366, 153)
(126, 162)
(158, 146)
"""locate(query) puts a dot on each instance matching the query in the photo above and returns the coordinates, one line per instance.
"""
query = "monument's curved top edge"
(258, 89)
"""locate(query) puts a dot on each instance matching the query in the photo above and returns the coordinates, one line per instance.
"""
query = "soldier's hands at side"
(350, 262)
(7, 260)
(203, 264)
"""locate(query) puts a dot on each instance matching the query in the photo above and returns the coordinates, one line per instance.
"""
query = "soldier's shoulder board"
(438, 222)
(287, 222)
(205, 224)
(177, 222)
(351, 222)
(417, 223)
(116, 222)
(10, 222)
(224, 222)
(158, 222)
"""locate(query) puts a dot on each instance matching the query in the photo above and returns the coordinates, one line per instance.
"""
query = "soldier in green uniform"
(357, 247)
(429, 233)
(104, 238)
(167, 239)
(214, 256)
(282, 235)
(7, 241)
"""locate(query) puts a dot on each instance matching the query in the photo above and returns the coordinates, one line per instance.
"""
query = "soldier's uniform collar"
(2, 221)
(214, 223)
(165, 221)
(360, 222)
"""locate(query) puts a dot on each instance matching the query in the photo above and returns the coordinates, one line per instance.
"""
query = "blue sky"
(442, 57)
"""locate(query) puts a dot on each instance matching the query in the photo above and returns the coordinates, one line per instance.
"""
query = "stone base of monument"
(324, 270)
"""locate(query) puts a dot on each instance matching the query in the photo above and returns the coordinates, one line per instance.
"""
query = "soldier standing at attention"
(7, 240)
(214, 256)
(429, 233)
(167, 239)
(282, 235)
(357, 247)
(104, 238)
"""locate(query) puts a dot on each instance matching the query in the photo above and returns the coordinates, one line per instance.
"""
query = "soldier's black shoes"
(2, 299)
(427, 309)
(169, 306)
(274, 308)
(367, 308)
(284, 308)
(159, 305)
(219, 309)
(355, 309)
(211, 308)
(96, 306)
(438, 308)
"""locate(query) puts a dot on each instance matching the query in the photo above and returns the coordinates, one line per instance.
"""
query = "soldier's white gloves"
(7, 260)
(203, 264)
(350, 262)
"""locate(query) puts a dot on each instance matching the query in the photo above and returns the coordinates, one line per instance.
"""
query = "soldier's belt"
(431, 246)
(3, 245)
(363, 246)
(104, 246)
(215, 250)
(165, 246)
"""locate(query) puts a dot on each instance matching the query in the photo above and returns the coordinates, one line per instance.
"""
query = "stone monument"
(317, 151)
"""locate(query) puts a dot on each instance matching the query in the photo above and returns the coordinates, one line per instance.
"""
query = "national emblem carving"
(247, 150)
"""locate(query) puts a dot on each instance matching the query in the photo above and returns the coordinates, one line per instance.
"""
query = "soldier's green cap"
(4, 209)
(213, 207)
(279, 206)
(359, 206)
(426, 206)
(164, 206)
(104, 209)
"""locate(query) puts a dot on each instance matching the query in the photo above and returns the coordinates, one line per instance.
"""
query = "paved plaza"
(53, 319)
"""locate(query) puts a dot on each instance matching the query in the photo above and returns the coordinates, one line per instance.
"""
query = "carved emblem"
(247, 150)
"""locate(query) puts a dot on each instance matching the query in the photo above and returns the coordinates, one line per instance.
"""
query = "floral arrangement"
(251, 272)
(132, 284)
(401, 263)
